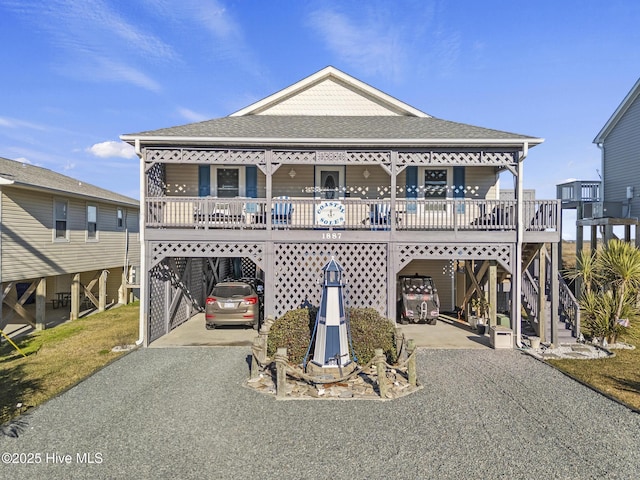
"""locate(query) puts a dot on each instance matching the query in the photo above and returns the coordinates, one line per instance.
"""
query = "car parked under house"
(332, 167)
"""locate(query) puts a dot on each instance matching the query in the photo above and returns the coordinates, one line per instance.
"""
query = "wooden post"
(555, 300)
(411, 364)
(256, 351)
(102, 291)
(75, 297)
(281, 372)
(493, 293)
(381, 370)
(41, 304)
(542, 297)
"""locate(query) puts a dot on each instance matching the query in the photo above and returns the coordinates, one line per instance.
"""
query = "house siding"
(28, 246)
(329, 97)
(622, 159)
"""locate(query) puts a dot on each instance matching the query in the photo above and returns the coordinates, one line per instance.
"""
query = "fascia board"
(617, 115)
(361, 142)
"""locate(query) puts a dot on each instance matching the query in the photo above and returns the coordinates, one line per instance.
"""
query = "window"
(435, 183)
(92, 222)
(119, 219)
(60, 219)
(228, 182)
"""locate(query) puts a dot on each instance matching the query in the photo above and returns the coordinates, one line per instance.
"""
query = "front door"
(330, 183)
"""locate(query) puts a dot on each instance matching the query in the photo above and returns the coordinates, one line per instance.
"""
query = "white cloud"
(112, 149)
(373, 45)
(69, 166)
(191, 115)
(23, 160)
(16, 123)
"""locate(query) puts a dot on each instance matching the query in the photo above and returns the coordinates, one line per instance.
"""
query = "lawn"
(60, 357)
(618, 377)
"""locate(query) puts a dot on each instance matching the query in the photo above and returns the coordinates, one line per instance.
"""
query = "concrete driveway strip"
(184, 413)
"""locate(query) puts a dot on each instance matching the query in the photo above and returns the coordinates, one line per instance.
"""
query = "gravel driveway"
(184, 413)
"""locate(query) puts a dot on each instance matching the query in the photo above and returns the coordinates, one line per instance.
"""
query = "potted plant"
(480, 307)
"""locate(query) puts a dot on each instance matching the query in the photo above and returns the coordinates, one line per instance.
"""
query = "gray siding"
(182, 180)
(28, 246)
(622, 159)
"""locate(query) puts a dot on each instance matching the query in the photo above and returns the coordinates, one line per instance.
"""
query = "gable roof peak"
(364, 94)
(631, 97)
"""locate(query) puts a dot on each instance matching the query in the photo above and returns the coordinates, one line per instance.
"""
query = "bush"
(293, 332)
(370, 330)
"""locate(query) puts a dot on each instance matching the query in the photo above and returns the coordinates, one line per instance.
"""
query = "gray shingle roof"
(26, 175)
(331, 127)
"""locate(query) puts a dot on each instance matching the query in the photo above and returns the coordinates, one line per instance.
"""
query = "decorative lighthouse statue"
(332, 342)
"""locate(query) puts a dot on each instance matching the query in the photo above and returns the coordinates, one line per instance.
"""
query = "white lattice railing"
(349, 214)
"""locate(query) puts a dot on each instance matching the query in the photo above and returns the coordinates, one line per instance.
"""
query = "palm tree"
(611, 280)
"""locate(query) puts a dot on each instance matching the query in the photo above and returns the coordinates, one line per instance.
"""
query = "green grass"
(618, 377)
(60, 357)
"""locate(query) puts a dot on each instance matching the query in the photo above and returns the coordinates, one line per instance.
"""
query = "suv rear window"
(231, 290)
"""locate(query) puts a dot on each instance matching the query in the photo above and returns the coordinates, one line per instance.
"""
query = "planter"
(482, 329)
(534, 342)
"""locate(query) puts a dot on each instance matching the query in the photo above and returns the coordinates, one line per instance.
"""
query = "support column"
(41, 302)
(579, 248)
(594, 239)
(102, 291)
(608, 233)
(627, 233)
(555, 294)
(493, 293)
(75, 297)
(391, 283)
(542, 297)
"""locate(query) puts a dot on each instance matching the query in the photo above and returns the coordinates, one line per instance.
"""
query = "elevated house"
(64, 244)
(613, 201)
(332, 167)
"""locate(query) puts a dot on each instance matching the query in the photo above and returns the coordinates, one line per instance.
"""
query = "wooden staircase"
(568, 308)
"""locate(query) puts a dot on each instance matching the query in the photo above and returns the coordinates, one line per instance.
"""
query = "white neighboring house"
(63, 244)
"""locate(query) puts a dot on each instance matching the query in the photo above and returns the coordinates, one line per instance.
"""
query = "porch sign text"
(330, 213)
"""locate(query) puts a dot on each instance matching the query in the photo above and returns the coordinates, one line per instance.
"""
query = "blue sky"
(78, 73)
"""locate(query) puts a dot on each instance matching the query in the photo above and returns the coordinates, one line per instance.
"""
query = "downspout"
(601, 147)
(519, 239)
(143, 263)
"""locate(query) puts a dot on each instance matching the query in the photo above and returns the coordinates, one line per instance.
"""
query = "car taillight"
(211, 300)
(251, 300)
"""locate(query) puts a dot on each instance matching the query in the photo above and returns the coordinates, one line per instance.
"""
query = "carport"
(446, 334)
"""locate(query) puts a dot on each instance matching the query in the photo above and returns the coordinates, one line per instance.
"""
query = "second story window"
(60, 219)
(119, 219)
(435, 183)
(92, 222)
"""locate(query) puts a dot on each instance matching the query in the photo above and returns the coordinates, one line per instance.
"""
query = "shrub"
(370, 330)
(293, 332)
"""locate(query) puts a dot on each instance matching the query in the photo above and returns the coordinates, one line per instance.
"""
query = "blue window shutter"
(411, 174)
(251, 175)
(458, 182)
(458, 186)
(204, 180)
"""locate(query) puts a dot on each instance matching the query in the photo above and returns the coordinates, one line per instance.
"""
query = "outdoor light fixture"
(366, 173)
(292, 173)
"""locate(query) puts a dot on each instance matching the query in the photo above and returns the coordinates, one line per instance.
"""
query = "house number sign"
(330, 214)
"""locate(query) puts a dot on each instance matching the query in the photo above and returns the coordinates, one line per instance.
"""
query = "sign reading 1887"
(330, 214)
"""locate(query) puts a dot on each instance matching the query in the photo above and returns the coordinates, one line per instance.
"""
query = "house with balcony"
(331, 167)
(613, 201)
(65, 246)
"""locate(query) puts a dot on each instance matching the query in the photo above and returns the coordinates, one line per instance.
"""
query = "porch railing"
(348, 214)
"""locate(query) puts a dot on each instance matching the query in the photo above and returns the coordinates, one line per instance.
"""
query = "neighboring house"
(63, 244)
(614, 201)
(332, 167)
